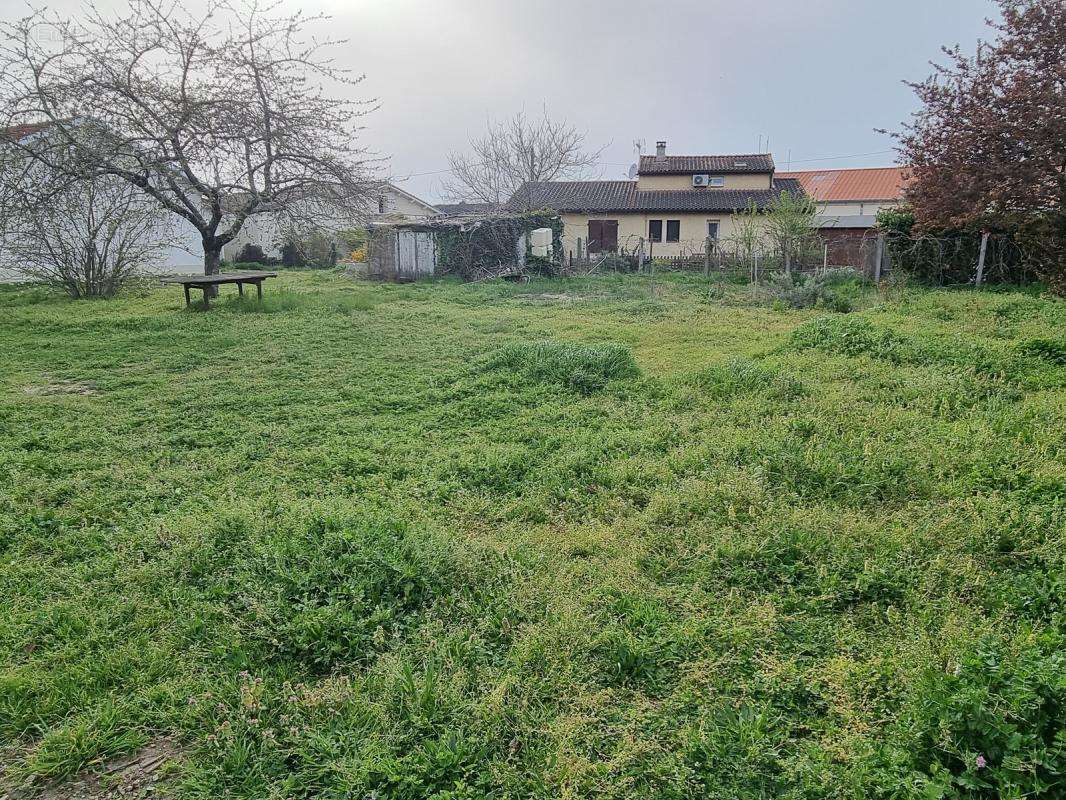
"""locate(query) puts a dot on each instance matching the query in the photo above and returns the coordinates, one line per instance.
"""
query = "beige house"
(389, 203)
(675, 204)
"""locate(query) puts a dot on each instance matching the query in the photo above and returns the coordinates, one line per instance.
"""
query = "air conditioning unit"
(701, 180)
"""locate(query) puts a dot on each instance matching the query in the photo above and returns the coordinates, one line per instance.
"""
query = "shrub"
(581, 367)
(316, 249)
(254, 254)
(829, 290)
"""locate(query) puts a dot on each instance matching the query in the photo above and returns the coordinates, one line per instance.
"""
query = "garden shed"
(473, 248)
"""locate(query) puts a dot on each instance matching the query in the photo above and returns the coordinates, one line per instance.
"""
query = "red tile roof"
(16, 132)
(829, 185)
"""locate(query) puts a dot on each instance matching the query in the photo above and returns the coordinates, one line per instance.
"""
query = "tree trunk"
(212, 258)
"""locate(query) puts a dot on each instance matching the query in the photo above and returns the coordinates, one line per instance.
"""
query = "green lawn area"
(410, 541)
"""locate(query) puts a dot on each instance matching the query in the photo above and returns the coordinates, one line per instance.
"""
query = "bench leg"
(240, 288)
(188, 301)
(259, 289)
(207, 295)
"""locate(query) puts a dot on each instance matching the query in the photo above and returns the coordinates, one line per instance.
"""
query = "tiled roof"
(682, 165)
(842, 185)
(16, 132)
(601, 196)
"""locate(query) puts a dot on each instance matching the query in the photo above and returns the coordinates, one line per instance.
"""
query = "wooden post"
(825, 256)
(981, 258)
(707, 257)
(880, 254)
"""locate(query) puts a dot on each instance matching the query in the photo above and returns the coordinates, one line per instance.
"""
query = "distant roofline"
(840, 169)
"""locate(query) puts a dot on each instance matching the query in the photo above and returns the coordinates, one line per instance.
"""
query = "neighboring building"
(389, 203)
(851, 198)
(393, 204)
(673, 206)
(464, 208)
(848, 201)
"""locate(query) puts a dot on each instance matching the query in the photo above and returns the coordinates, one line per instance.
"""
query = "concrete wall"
(631, 227)
(749, 181)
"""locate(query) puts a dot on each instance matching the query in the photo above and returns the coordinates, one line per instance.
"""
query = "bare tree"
(216, 118)
(87, 235)
(515, 152)
(790, 226)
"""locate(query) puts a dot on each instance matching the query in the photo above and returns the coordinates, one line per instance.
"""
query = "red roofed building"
(848, 193)
(848, 201)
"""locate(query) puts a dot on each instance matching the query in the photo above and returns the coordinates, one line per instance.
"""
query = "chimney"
(660, 149)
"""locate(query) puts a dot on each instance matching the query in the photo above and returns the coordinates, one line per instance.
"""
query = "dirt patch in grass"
(143, 773)
(53, 388)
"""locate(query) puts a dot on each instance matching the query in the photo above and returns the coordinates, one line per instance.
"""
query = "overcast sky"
(814, 77)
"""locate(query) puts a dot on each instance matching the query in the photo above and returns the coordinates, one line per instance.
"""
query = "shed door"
(603, 235)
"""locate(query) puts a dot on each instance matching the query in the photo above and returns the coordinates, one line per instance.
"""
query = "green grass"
(624, 536)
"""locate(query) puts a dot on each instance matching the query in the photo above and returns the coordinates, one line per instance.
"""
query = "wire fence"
(870, 253)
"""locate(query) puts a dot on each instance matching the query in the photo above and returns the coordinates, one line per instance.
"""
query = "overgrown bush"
(582, 367)
(834, 289)
(949, 256)
(253, 254)
(316, 250)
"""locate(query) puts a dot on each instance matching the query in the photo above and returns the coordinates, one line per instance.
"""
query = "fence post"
(707, 257)
(981, 258)
(879, 257)
(825, 256)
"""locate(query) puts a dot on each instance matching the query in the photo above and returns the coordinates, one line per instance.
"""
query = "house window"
(655, 230)
(716, 180)
(712, 229)
(673, 230)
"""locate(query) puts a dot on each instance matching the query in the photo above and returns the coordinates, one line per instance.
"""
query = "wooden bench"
(205, 282)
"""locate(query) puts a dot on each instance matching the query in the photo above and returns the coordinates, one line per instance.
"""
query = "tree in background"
(790, 227)
(517, 151)
(216, 117)
(987, 148)
(83, 233)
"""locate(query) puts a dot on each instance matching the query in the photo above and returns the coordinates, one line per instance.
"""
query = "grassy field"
(621, 537)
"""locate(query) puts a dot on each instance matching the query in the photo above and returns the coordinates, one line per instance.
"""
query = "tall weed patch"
(584, 368)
